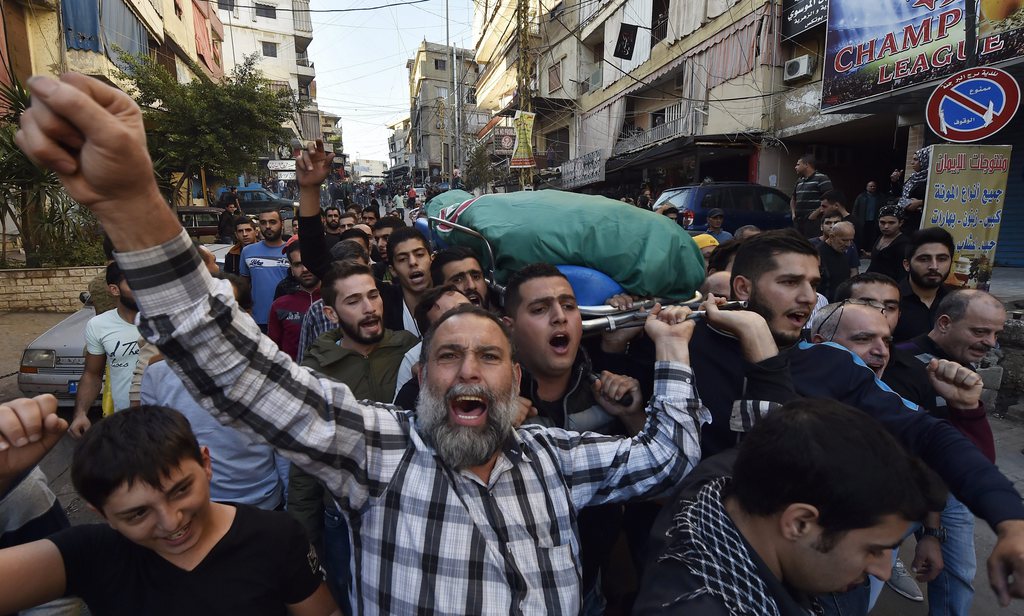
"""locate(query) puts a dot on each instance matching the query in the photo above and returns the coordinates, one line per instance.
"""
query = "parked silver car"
(54, 362)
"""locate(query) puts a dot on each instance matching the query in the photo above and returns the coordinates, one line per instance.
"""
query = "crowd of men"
(350, 422)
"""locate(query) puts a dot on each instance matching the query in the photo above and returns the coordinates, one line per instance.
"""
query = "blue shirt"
(265, 266)
(721, 236)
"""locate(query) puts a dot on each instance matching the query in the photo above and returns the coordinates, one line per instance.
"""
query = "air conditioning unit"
(798, 68)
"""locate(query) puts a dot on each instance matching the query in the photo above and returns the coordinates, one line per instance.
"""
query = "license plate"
(73, 387)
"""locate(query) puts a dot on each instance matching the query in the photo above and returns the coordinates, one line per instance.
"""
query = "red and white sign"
(973, 104)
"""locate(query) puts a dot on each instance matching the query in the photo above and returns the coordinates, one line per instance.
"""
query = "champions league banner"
(874, 49)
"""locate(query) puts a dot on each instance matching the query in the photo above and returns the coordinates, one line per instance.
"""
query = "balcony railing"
(679, 120)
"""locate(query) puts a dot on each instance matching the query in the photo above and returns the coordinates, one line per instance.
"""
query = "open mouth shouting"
(417, 278)
(473, 297)
(468, 409)
(559, 343)
(798, 318)
(370, 323)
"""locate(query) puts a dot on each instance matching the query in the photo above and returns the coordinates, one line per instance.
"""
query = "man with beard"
(457, 512)
(929, 259)
(264, 265)
(287, 311)
(332, 225)
(459, 266)
(457, 534)
(365, 356)
(111, 342)
(890, 249)
(776, 272)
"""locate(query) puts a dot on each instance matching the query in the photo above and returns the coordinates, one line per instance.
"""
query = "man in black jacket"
(762, 530)
(777, 272)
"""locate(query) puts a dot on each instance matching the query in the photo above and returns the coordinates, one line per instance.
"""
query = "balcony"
(679, 121)
(301, 23)
(305, 69)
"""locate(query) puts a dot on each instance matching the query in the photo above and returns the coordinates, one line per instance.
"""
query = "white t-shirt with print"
(110, 335)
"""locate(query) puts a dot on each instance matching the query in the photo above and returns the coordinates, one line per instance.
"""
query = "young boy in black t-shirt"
(166, 548)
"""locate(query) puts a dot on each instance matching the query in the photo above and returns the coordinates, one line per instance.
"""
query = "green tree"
(479, 171)
(221, 127)
(53, 228)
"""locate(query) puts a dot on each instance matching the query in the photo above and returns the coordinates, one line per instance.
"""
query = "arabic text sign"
(874, 49)
(287, 164)
(973, 104)
(799, 16)
(966, 196)
(583, 170)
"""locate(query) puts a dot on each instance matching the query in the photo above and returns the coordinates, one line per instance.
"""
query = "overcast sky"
(360, 62)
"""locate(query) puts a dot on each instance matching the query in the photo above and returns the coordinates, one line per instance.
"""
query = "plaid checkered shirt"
(427, 539)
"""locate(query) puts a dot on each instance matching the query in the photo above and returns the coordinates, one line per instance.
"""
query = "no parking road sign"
(973, 104)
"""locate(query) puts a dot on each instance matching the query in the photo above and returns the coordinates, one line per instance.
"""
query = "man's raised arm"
(92, 135)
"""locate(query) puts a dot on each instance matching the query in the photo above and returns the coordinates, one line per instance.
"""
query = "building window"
(442, 92)
(658, 118)
(440, 65)
(269, 49)
(226, 5)
(555, 77)
(471, 95)
(659, 21)
(265, 10)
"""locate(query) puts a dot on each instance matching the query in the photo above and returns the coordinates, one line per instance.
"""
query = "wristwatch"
(939, 533)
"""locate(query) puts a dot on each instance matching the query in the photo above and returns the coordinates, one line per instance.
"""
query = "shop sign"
(876, 49)
(281, 165)
(799, 16)
(504, 140)
(583, 170)
(973, 104)
(966, 196)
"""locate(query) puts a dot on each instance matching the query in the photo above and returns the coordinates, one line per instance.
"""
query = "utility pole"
(524, 70)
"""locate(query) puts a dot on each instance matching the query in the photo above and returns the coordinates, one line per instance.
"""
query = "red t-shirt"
(284, 323)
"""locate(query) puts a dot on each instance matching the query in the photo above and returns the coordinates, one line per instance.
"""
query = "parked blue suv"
(744, 203)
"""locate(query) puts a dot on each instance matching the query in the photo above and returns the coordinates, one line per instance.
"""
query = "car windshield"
(679, 198)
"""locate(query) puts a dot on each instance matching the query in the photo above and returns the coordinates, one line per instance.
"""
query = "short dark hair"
(290, 248)
(427, 302)
(349, 250)
(334, 208)
(449, 255)
(370, 208)
(243, 289)
(348, 214)
(242, 220)
(834, 196)
(340, 270)
(836, 458)
(718, 260)
(756, 255)
(114, 274)
(669, 210)
(404, 235)
(809, 160)
(930, 235)
(473, 309)
(389, 222)
(143, 443)
(521, 277)
(270, 210)
(845, 289)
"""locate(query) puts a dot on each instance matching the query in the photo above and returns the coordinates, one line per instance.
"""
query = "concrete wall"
(45, 289)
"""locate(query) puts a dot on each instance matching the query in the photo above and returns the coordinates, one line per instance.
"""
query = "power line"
(349, 10)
